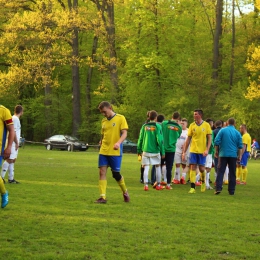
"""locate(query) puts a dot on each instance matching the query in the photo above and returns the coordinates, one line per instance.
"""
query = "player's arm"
(11, 135)
(209, 141)
(244, 148)
(121, 139)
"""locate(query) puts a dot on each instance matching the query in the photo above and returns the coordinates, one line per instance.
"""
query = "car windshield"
(71, 138)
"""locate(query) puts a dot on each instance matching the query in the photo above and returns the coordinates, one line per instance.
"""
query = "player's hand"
(163, 156)
(116, 146)
(7, 153)
(206, 152)
(183, 157)
(16, 146)
(216, 155)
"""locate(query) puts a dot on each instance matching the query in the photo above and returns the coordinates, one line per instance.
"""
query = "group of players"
(164, 142)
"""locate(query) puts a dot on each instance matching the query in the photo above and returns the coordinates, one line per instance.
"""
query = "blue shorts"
(197, 158)
(114, 162)
(244, 159)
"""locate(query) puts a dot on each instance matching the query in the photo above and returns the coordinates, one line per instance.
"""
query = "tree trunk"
(76, 113)
(216, 64)
(89, 77)
(233, 47)
(106, 7)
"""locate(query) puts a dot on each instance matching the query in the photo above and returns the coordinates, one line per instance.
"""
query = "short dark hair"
(147, 114)
(243, 125)
(18, 109)
(160, 118)
(176, 115)
(104, 104)
(218, 123)
(152, 115)
(231, 121)
(209, 120)
(184, 120)
(199, 111)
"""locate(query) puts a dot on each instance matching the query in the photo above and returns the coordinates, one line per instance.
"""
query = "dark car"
(129, 146)
(65, 142)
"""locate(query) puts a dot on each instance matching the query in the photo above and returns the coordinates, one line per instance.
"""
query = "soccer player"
(178, 153)
(209, 158)
(114, 132)
(201, 134)
(228, 150)
(150, 146)
(9, 163)
(171, 132)
(218, 125)
(246, 140)
(6, 125)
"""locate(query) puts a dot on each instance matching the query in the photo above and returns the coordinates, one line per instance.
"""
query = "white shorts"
(14, 153)
(178, 159)
(151, 158)
(209, 161)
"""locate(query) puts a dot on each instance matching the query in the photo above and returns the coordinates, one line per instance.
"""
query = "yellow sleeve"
(124, 124)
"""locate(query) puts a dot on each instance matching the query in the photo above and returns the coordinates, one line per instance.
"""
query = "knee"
(117, 176)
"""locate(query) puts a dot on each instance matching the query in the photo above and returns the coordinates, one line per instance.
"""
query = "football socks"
(102, 188)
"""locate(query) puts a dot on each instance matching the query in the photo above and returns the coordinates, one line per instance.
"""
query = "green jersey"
(211, 149)
(150, 139)
(171, 132)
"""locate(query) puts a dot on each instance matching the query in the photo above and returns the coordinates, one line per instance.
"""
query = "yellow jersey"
(199, 133)
(111, 133)
(5, 119)
(246, 139)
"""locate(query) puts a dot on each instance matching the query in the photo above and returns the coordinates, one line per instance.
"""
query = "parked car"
(65, 142)
(129, 146)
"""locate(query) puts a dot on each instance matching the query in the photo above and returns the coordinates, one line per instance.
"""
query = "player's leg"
(232, 175)
(102, 184)
(177, 175)
(115, 165)
(3, 191)
(5, 167)
(222, 164)
(169, 159)
(238, 173)
(244, 171)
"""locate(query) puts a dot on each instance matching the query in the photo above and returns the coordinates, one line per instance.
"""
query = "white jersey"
(17, 126)
(181, 141)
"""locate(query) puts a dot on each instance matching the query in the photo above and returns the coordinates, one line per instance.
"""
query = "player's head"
(197, 114)
(18, 110)
(231, 121)
(160, 118)
(218, 123)
(243, 129)
(153, 115)
(106, 109)
(210, 121)
(176, 116)
(184, 123)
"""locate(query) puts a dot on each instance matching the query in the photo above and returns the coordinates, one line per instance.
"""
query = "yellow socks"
(202, 176)
(121, 184)
(102, 188)
(192, 176)
(238, 172)
(244, 174)
(2, 186)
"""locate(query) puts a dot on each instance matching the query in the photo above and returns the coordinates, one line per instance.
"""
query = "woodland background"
(60, 59)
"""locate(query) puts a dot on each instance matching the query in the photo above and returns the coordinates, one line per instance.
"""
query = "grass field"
(51, 214)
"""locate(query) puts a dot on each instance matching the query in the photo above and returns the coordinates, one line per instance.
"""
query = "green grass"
(51, 214)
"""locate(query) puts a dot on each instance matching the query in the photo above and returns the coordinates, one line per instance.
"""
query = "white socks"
(158, 174)
(207, 179)
(164, 177)
(11, 171)
(4, 168)
(178, 173)
(146, 171)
